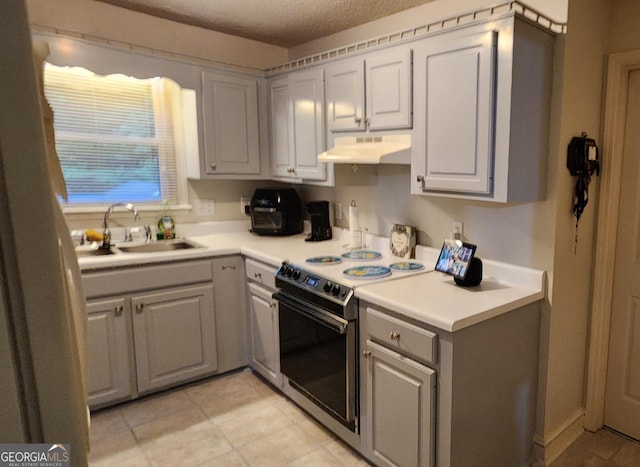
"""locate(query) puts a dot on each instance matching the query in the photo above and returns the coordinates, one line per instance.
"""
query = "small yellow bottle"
(166, 224)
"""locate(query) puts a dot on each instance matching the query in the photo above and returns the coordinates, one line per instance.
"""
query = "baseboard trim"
(555, 443)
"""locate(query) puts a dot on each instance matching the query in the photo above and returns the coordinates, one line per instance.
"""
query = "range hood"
(389, 149)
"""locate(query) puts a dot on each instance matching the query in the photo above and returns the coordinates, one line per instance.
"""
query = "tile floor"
(238, 420)
(233, 420)
(601, 449)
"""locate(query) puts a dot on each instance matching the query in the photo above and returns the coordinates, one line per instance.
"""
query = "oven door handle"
(313, 312)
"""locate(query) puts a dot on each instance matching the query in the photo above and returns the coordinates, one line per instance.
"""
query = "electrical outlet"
(337, 211)
(244, 201)
(457, 229)
(205, 207)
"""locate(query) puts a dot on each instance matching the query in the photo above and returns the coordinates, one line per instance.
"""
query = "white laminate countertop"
(435, 299)
(431, 297)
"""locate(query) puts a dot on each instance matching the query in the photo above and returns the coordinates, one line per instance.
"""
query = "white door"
(622, 400)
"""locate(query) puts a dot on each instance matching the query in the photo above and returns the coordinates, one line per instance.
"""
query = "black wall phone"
(583, 160)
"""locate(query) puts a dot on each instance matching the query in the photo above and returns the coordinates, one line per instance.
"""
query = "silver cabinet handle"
(366, 353)
(118, 310)
(139, 307)
(257, 275)
(213, 166)
(358, 121)
(395, 336)
(367, 121)
(228, 266)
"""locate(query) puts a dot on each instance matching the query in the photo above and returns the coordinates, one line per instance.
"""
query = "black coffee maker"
(320, 222)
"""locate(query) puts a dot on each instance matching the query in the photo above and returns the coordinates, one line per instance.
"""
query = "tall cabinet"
(483, 95)
(230, 122)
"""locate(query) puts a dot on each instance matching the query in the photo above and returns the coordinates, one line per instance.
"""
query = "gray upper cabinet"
(230, 123)
(483, 96)
(459, 108)
(370, 94)
(282, 152)
(297, 125)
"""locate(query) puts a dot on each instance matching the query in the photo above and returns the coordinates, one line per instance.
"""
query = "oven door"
(318, 356)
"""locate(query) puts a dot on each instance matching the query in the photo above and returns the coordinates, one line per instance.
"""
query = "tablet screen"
(455, 257)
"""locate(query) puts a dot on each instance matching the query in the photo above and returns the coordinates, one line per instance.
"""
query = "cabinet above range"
(370, 93)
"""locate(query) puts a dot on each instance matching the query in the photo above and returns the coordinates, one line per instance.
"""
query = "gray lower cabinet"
(231, 313)
(263, 321)
(400, 400)
(174, 336)
(448, 399)
(150, 327)
(109, 351)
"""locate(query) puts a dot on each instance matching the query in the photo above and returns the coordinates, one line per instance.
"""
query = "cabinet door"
(282, 160)
(458, 92)
(400, 398)
(265, 353)
(389, 97)
(174, 335)
(231, 313)
(344, 86)
(230, 121)
(109, 374)
(306, 98)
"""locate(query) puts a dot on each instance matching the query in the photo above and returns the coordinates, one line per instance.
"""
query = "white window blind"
(114, 136)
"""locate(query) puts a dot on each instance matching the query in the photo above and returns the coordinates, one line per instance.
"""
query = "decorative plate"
(407, 266)
(367, 272)
(324, 260)
(362, 255)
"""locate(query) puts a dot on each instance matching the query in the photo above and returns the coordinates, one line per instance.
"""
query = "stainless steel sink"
(157, 247)
(93, 251)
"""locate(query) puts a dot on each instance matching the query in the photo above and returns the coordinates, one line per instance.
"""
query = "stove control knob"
(335, 290)
(295, 274)
(289, 271)
(327, 286)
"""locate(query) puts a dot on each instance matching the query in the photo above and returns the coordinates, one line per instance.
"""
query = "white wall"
(111, 22)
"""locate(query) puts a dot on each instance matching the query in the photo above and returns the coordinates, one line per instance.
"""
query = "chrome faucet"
(106, 233)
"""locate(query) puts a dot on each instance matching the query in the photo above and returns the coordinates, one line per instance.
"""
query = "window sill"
(140, 208)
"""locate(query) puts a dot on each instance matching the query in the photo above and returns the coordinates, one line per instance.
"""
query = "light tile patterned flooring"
(238, 420)
(601, 449)
(232, 420)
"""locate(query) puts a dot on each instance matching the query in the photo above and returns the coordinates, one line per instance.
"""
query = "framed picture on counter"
(403, 241)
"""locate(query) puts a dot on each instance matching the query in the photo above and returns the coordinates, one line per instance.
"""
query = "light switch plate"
(205, 207)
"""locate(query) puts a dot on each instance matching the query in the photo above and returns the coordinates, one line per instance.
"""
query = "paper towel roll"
(353, 217)
(355, 239)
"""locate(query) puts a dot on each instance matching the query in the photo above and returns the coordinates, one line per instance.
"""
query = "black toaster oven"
(276, 211)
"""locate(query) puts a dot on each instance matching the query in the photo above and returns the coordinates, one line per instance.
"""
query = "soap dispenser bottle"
(166, 224)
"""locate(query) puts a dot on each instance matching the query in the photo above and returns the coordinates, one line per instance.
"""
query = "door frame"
(615, 118)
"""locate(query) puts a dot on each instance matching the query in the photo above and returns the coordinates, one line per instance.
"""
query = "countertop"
(430, 297)
(433, 298)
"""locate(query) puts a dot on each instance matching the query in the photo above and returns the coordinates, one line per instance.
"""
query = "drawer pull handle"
(395, 336)
(139, 307)
(119, 309)
(228, 266)
(366, 353)
(257, 275)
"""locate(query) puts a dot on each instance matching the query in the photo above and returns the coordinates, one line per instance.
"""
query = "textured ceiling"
(286, 23)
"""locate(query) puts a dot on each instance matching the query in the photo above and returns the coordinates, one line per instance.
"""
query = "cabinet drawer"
(261, 273)
(133, 279)
(401, 336)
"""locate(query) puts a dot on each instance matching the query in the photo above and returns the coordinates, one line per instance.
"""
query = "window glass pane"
(113, 136)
